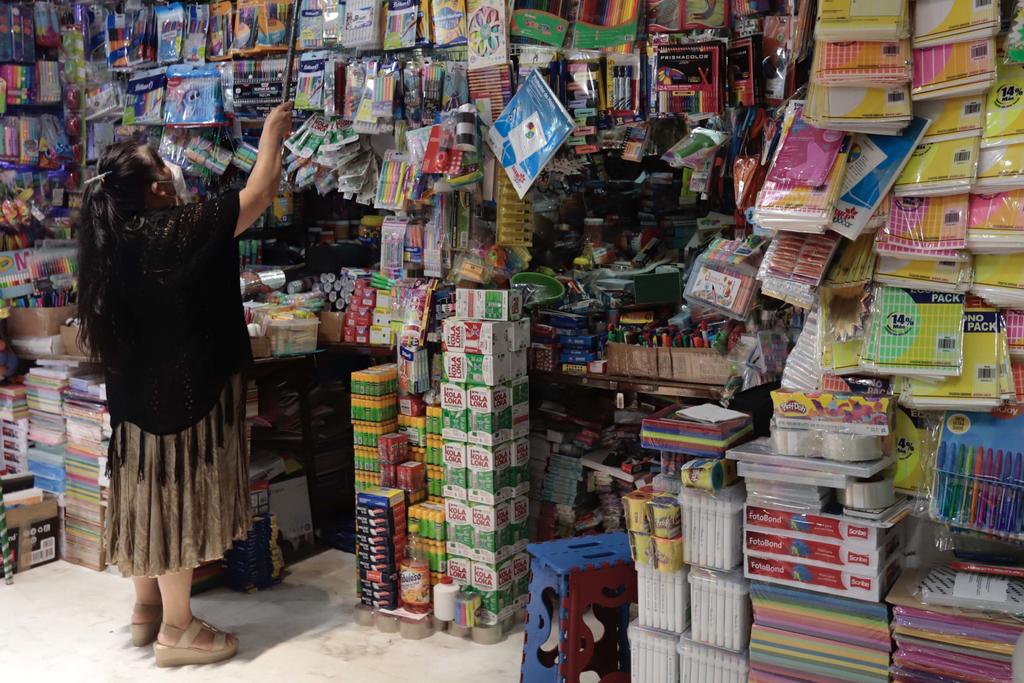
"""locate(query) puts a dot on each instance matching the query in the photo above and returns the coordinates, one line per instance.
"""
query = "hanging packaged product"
(449, 20)
(246, 27)
(1004, 113)
(485, 26)
(914, 332)
(362, 22)
(978, 472)
(194, 96)
(144, 99)
(939, 168)
(605, 24)
(954, 70)
(794, 265)
(694, 148)
(999, 279)
(309, 90)
(804, 181)
(47, 24)
(937, 22)
(312, 24)
(861, 64)
(995, 222)
(543, 21)
(529, 132)
(220, 38)
(933, 228)
(986, 357)
(725, 278)
(197, 26)
(954, 118)
(170, 27)
(400, 24)
(272, 23)
(933, 276)
(688, 79)
(883, 109)
(1000, 169)
(392, 188)
(878, 162)
(843, 20)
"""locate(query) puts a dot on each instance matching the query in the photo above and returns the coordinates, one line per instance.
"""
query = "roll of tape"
(868, 495)
(800, 442)
(850, 447)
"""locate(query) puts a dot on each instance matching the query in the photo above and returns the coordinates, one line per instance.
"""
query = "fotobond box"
(490, 415)
(488, 471)
(459, 527)
(456, 474)
(520, 467)
(487, 337)
(494, 582)
(489, 304)
(454, 413)
(821, 553)
(862, 584)
(820, 526)
(460, 569)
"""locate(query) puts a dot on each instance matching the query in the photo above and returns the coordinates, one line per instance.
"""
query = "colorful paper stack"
(805, 178)
(958, 644)
(485, 424)
(801, 635)
(686, 430)
(14, 426)
(88, 428)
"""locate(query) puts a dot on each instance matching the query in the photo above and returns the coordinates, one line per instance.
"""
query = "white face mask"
(178, 178)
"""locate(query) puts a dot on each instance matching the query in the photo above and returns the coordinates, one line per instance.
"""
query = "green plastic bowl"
(548, 289)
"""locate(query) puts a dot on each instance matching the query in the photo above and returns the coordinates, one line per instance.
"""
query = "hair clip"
(97, 178)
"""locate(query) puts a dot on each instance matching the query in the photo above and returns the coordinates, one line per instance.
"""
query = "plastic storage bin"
(720, 612)
(292, 337)
(652, 655)
(713, 526)
(699, 663)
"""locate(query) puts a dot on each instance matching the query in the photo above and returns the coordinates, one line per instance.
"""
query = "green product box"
(459, 531)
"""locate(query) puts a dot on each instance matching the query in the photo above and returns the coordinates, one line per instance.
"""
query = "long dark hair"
(109, 206)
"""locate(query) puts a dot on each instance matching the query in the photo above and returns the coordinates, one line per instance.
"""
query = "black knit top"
(181, 328)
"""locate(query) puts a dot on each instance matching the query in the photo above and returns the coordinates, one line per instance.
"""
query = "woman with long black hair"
(161, 309)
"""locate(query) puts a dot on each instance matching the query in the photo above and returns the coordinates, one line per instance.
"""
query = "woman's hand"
(278, 125)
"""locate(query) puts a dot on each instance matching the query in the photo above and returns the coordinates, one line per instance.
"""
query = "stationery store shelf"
(640, 385)
(374, 350)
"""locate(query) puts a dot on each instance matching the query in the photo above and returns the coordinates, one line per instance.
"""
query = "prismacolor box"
(833, 411)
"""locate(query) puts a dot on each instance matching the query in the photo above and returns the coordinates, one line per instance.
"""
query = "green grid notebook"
(914, 332)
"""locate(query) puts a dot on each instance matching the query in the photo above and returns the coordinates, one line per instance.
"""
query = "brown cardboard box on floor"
(38, 322)
(33, 531)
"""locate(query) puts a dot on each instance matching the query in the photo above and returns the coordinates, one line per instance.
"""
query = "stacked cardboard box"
(485, 423)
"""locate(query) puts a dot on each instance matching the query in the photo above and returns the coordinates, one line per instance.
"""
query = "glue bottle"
(415, 573)
(444, 599)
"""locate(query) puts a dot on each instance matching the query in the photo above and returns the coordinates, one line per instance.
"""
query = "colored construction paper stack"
(685, 431)
(799, 635)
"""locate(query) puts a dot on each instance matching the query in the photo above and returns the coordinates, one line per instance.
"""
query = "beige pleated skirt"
(189, 500)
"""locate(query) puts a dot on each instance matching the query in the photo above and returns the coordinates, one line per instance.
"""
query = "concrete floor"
(65, 623)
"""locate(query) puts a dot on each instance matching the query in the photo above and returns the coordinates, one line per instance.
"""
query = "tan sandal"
(182, 653)
(145, 633)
